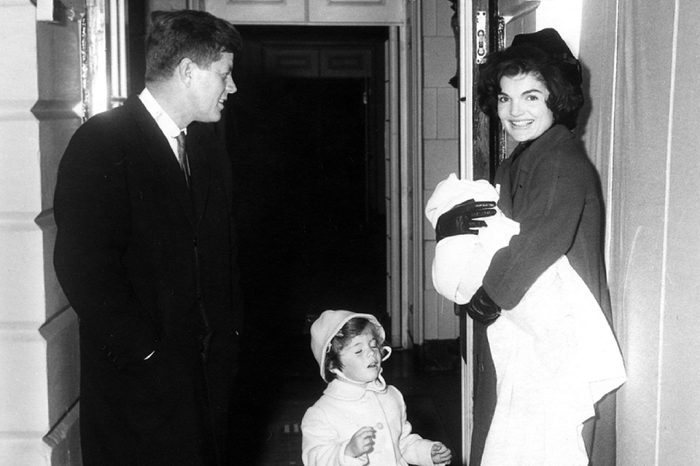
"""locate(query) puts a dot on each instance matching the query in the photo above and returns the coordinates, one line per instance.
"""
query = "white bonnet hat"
(327, 326)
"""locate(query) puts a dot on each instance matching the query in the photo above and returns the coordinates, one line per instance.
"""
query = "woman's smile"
(522, 106)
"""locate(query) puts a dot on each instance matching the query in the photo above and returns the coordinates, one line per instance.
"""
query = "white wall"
(644, 64)
(565, 17)
(440, 147)
(23, 372)
(38, 334)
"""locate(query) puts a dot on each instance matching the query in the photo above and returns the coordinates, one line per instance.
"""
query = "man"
(145, 252)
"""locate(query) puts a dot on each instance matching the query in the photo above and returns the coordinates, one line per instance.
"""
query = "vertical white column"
(23, 375)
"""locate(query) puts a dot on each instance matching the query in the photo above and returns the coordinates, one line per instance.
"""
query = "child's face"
(361, 358)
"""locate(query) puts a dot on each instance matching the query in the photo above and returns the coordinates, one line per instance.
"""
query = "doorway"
(305, 132)
(306, 142)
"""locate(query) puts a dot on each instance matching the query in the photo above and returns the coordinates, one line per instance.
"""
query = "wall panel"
(440, 147)
(38, 366)
(642, 137)
(679, 402)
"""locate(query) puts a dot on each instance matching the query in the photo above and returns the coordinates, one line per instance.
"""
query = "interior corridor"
(311, 239)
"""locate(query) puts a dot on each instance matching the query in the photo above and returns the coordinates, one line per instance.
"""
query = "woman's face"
(522, 107)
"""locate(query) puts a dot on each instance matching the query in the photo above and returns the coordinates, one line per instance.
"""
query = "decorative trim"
(362, 3)
(238, 2)
(57, 323)
(26, 331)
(18, 221)
(54, 11)
(16, 110)
(46, 220)
(14, 3)
(59, 433)
(50, 109)
(29, 435)
(84, 68)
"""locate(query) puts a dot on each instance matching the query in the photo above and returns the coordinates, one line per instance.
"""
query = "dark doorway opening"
(307, 148)
(306, 138)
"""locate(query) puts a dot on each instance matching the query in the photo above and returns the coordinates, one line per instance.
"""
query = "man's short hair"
(197, 35)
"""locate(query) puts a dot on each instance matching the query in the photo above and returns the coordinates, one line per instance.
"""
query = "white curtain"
(643, 64)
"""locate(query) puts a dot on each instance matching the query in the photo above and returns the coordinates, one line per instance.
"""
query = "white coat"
(343, 409)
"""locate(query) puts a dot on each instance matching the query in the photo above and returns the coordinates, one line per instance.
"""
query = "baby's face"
(361, 358)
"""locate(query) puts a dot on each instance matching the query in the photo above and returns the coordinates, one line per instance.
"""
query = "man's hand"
(440, 454)
(481, 308)
(362, 442)
(461, 219)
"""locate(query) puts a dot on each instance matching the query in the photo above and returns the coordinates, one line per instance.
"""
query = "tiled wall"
(440, 145)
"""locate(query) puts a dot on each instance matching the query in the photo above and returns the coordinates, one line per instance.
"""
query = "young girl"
(359, 419)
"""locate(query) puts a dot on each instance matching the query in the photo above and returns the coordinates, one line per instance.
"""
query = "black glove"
(460, 220)
(481, 308)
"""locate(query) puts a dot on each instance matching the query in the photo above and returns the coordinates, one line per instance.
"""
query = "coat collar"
(152, 140)
(525, 151)
(347, 391)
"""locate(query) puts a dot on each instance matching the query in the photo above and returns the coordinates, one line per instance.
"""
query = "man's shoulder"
(100, 127)
(103, 137)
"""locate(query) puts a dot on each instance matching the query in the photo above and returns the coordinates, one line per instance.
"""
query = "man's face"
(211, 87)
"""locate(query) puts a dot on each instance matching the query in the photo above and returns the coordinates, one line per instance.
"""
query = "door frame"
(465, 15)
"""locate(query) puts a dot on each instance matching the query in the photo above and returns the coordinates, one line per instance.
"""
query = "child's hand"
(361, 442)
(439, 453)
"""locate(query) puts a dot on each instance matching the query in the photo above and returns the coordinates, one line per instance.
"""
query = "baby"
(359, 419)
(461, 261)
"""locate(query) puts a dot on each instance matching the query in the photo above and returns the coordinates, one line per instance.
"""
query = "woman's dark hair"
(197, 35)
(351, 329)
(559, 71)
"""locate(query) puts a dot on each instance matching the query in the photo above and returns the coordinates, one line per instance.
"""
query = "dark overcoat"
(149, 265)
(553, 191)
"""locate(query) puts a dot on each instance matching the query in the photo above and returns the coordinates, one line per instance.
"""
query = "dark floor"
(275, 402)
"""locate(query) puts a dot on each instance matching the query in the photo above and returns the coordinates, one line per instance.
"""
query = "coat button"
(379, 426)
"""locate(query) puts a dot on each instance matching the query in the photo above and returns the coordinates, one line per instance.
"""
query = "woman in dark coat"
(550, 187)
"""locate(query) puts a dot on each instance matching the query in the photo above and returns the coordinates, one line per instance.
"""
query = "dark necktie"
(182, 157)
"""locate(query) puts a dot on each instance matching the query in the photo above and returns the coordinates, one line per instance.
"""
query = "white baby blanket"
(554, 353)
(461, 261)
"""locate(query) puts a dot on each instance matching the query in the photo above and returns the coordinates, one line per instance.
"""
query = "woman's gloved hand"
(461, 219)
(481, 308)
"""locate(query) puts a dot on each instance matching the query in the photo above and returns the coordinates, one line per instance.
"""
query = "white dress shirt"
(163, 120)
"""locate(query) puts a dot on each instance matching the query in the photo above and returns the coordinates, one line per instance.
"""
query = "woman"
(549, 186)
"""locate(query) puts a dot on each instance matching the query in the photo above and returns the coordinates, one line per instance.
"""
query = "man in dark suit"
(145, 252)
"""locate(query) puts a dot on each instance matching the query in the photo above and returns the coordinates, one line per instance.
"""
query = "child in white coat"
(359, 419)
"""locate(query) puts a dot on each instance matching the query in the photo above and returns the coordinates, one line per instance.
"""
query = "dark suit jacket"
(148, 266)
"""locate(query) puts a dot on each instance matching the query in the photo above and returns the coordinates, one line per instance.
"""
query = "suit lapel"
(152, 140)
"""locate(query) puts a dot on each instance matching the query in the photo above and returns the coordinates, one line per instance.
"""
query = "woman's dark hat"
(548, 41)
